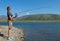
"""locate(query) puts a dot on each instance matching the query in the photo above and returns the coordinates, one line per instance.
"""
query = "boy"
(10, 17)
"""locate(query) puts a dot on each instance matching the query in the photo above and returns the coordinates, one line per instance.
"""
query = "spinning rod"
(30, 10)
(16, 14)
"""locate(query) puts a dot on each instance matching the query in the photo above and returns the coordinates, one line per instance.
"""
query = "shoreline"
(17, 33)
(32, 20)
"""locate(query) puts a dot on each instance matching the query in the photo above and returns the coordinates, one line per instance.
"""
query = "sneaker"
(9, 38)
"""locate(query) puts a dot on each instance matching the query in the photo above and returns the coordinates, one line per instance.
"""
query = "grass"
(32, 21)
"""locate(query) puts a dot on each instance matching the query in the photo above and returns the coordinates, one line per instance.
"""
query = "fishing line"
(31, 9)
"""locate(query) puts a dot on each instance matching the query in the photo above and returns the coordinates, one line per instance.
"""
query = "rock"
(18, 34)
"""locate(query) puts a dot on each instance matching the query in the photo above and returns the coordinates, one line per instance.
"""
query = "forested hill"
(40, 17)
(35, 17)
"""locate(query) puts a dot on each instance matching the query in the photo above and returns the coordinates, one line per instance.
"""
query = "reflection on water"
(39, 31)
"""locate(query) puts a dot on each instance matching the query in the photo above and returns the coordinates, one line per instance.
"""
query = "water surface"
(39, 31)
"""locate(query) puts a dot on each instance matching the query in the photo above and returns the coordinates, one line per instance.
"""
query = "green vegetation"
(40, 17)
(37, 21)
(35, 18)
(32, 21)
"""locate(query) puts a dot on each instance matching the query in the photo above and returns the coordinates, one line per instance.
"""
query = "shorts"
(9, 23)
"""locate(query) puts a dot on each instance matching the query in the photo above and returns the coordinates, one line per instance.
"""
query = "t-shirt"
(9, 14)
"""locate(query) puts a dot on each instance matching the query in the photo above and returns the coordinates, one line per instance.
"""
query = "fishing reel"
(15, 15)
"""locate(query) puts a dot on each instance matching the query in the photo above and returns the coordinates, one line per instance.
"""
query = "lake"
(39, 31)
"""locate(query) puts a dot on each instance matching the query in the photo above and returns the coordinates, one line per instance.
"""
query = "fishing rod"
(28, 10)
(31, 10)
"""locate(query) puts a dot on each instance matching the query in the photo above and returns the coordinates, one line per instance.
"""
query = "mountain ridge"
(40, 17)
(35, 17)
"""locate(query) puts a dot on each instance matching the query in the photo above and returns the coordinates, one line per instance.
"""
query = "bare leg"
(9, 32)
(9, 29)
(0, 31)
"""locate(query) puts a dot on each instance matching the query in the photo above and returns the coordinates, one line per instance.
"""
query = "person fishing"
(10, 18)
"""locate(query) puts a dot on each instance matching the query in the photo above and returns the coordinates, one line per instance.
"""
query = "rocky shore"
(18, 34)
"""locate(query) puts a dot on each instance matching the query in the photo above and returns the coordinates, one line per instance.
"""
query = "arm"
(11, 17)
(14, 16)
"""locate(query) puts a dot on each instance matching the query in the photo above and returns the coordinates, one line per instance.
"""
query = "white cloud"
(27, 13)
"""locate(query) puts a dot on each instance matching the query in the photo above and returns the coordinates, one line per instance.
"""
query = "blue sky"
(45, 6)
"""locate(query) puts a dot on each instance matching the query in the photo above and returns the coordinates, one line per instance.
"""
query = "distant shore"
(32, 20)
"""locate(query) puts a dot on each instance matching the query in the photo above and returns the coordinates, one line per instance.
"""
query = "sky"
(28, 7)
